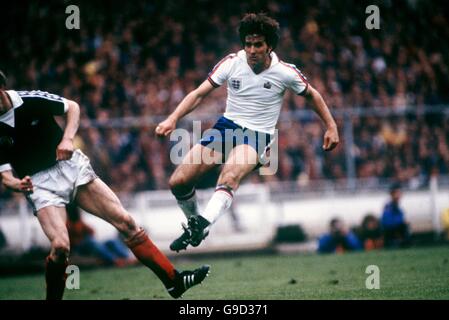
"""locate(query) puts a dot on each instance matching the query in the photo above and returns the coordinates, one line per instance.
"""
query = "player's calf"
(60, 250)
(125, 224)
(150, 255)
(55, 267)
(230, 179)
(185, 195)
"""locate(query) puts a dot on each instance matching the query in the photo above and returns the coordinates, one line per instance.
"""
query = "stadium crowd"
(139, 59)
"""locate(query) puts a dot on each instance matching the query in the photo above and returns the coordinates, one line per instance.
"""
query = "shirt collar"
(8, 117)
(15, 98)
(274, 58)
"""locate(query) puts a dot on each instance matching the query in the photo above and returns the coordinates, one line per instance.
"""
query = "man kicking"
(256, 81)
(51, 174)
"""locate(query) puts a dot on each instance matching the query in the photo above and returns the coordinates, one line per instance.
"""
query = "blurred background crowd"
(133, 62)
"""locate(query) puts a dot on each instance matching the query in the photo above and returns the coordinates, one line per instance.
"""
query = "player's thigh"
(198, 161)
(53, 222)
(97, 198)
(241, 161)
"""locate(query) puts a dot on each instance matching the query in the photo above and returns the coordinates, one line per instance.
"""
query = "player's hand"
(25, 185)
(166, 127)
(331, 139)
(64, 150)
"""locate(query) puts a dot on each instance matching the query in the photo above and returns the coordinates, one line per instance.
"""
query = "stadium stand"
(140, 59)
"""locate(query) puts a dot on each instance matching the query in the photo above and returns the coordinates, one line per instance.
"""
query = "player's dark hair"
(260, 24)
(2, 80)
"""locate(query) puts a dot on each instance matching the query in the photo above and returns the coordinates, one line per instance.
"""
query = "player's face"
(257, 51)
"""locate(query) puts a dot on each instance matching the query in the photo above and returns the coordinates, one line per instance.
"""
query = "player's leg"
(97, 198)
(53, 222)
(198, 161)
(241, 161)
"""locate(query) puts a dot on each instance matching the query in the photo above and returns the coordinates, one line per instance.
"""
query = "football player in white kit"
(256, 81)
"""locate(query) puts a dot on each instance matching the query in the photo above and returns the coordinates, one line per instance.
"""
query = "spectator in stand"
(370, 233)
(339, 239)
(394, 226)
(154, 54)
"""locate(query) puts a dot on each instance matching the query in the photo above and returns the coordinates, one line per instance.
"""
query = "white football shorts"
(57, 186)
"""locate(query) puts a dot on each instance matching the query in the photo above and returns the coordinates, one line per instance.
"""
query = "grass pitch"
(418, 273)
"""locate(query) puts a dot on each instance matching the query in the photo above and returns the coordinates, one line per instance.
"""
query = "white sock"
(219, 203)
(189, 204)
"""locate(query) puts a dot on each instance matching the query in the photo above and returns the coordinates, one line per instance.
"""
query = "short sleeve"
(5, 167)
(45, 102)
(220, 72)
(298, 82)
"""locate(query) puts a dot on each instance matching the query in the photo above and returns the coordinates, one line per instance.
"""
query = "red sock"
(55, 277)
(147, 253)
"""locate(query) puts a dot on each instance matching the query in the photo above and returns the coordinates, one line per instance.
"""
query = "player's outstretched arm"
(331, 138)
(65, 148)
(20, 185)
(187, 105)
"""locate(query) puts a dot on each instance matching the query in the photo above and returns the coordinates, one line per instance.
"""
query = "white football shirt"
(254, 100)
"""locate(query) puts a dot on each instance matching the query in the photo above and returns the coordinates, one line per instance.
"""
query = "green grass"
(418, 273)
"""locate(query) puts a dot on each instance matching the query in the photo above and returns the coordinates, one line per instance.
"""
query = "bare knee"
(60, 249)
(179, 184)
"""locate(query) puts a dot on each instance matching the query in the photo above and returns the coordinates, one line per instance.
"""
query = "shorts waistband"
(76, 153)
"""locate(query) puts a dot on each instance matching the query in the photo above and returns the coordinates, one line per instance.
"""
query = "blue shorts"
(226, 134)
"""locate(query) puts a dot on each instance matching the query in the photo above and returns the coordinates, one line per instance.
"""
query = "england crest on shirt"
(236, 83)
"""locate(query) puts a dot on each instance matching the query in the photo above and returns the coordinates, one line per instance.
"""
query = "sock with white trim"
(219, 203)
